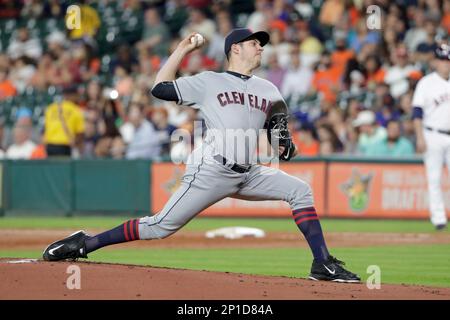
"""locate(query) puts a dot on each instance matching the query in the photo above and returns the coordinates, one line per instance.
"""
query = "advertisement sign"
(380, 190)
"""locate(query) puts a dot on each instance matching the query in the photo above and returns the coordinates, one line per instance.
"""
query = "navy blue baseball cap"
(243, 34)
(442, 52)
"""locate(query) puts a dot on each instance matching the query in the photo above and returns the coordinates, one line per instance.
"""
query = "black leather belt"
(438, 130)
(235, 167)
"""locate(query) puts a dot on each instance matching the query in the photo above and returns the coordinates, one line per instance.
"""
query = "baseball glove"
(277, 130)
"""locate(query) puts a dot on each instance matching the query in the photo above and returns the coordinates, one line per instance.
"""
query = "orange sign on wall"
(379, 190)
(166, 178)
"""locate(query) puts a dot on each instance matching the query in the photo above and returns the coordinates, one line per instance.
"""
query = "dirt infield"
(39, 239)
(47, 280)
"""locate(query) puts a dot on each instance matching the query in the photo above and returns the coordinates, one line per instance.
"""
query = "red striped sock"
(308, 223)
(128, 231)
(131, 230)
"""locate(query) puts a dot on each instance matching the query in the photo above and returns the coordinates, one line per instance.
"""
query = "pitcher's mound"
(35, 279)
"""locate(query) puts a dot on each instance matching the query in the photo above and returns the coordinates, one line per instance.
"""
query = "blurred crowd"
(348, 80)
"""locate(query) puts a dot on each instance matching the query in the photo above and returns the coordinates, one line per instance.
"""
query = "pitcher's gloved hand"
(277, 130)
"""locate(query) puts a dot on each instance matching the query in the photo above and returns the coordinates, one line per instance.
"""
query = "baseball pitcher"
(235, 105)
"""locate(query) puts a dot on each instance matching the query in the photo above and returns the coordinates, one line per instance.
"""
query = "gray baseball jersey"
(235, 108)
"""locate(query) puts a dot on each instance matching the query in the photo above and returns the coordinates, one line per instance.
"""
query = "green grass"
(203, 224)
(418, 264)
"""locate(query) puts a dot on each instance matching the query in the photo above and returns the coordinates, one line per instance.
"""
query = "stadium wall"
(345, 187)
(76, 187)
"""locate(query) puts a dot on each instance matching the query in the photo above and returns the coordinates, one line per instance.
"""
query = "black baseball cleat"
(332, 270)
(70, 248)
(441, 227)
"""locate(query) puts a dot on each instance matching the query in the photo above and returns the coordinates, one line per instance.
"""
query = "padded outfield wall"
(343, 187)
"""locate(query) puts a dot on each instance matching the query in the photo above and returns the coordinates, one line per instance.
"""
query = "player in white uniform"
(235, 105)
(431, 113)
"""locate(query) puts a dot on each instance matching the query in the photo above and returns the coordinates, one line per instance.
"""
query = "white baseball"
(197, 39)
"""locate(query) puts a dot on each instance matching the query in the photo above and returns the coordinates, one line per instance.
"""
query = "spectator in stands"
(305, 138)
(397, 75)
(393, 145)
(362, 36)
(94, 95)
(335, 118)
(118, 148)
(386, 110)
(425, 49)
(445, 21)
(275, 73)
(357, 83)
(370, 133)
(90, 139)
(61, 72)
(146, 75)
(145, 142)
(54, 9)
(433, 9)
(278, 44)
(39, 151)
(113, 148)
(111, 114)
(331, 12)
(176, 15)
(357, 63)
(160, 120)
(304, 8)
(126, 59)
(21, 73)
(7, 88)
(23, 45)
(64, 125)
(198, 22)
(326, 79)
(56, 43)
(297, 80)
(123, 82)
(341, 55)
(32, 9)
(42, 75)
(83, 65)
(417, 34)
(258, 20)
(155, 35)
(215, 48)
(329, 141)
(5, 61)
(310, 47)
(22, 147)
(375, 72)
